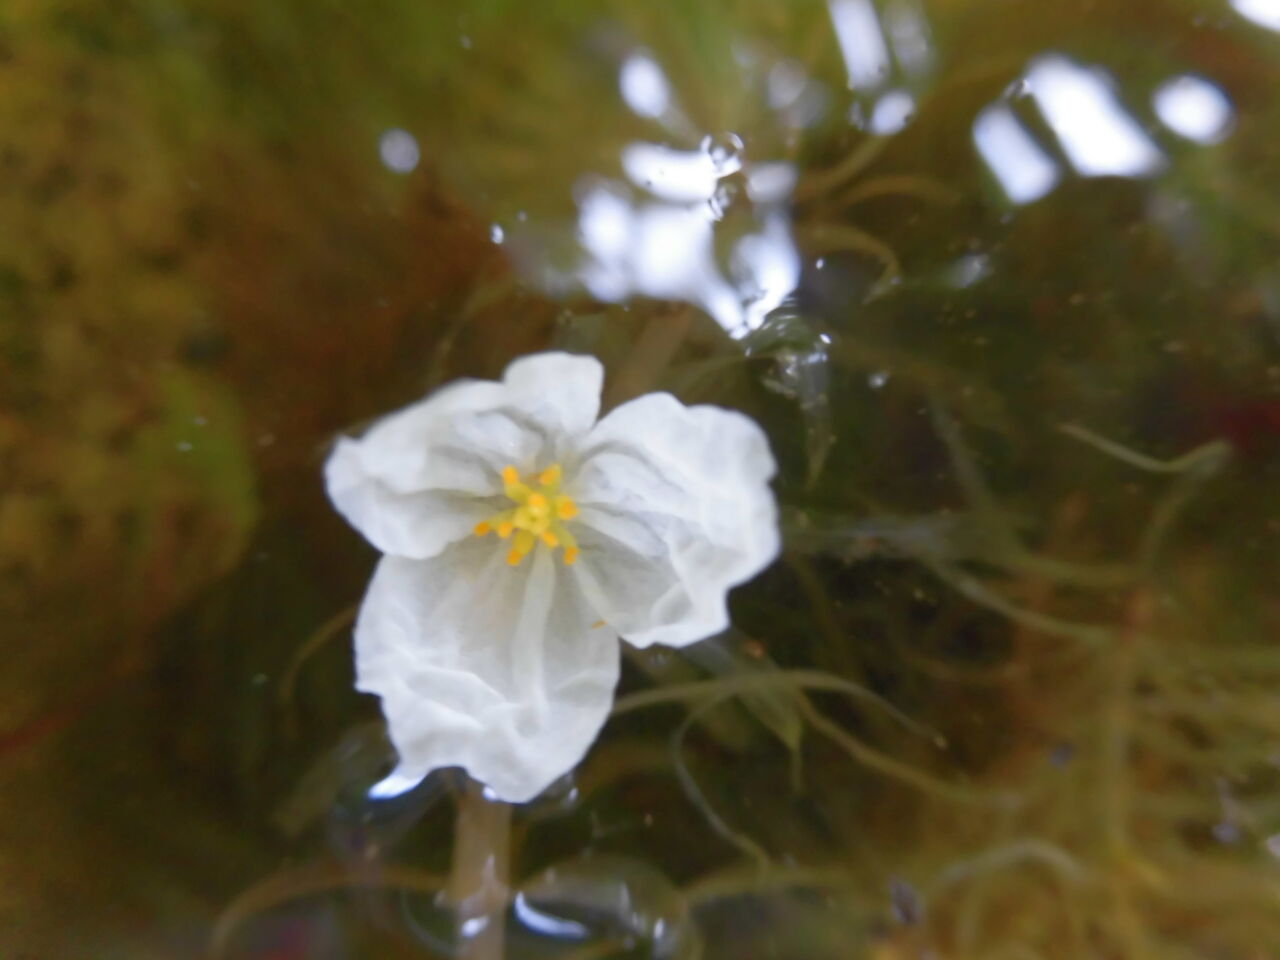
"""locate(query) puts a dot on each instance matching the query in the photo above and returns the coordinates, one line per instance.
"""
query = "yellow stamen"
(536, 514)
(524, 542)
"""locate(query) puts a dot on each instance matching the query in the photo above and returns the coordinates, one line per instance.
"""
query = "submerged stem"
(479, 884)
(327, 631)
(310, 880)
(649, 357)
(1115, 793)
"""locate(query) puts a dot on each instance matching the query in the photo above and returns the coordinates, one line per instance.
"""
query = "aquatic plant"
(1009, 691)
(656, 511)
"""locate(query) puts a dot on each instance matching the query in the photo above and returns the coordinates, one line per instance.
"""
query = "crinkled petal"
(422, 477)
(558, 391)
(675, 510)
(497, 669)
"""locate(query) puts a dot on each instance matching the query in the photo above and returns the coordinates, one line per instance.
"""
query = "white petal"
(561, 391)
(484, 666)
(676, 509)
(422, 477)
(419, 523)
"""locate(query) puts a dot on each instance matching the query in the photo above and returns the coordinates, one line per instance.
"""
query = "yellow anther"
(524, 542)
(536, 514)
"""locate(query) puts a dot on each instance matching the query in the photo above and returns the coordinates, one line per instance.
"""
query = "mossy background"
(206, 272)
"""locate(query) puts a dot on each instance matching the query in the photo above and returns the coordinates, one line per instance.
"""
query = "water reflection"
(796, 100)
(667, 251)
(1194, 108)
(870, 42)
(1265, 13)
(892, 113)
(704, 216)
(617, 901)
(1024, 170)
(644, 86)
(866, 55)
(706, 226)
(399, 151)
(1095, 133)
(909, 33)
(682, 176)
(548, 924)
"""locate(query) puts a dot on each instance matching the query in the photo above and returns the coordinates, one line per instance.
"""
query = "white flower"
(522, 538)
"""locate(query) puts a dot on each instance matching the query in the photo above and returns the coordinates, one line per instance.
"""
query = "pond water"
(997, 277)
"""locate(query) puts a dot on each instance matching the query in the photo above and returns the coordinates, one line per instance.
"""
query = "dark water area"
(998, 279)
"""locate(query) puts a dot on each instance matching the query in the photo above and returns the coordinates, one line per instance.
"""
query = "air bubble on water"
(725, 151)
(497, 234)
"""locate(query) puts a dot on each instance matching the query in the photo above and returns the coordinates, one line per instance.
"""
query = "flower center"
(538, 514)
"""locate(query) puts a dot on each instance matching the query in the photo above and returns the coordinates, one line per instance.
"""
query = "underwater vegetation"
(1011, 689)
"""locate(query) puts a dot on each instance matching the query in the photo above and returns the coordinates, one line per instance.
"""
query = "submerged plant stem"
(825, 238)
(309, 881)
(327, 631)
(1117, 735)
(649, 358)
(854, 162)
(479, 884)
